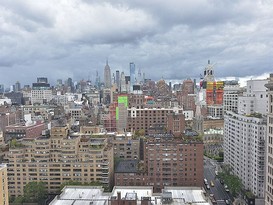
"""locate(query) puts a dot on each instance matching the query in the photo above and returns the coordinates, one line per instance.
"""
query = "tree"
(233, 182)
(35, 192)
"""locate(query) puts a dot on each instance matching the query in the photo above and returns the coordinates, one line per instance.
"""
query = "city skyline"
(172, 40)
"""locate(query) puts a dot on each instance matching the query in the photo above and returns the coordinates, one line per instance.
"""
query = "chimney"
(119, 196)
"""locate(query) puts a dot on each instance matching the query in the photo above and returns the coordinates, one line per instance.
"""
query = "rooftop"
(94, 195)
(127, 166)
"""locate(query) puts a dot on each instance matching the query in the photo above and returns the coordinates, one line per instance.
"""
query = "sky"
(171, 39)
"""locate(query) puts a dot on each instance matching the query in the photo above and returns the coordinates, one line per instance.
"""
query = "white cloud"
(173, 39)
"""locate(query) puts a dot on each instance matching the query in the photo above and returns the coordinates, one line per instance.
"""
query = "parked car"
(211, 183)
(212, 198)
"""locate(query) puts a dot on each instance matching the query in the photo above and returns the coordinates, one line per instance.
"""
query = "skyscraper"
(118, 79)
(17, 86)
(132, 75)
(122, 82)
(107, 76)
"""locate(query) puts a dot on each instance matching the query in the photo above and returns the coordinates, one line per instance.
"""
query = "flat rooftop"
(80, 195)
(127, 166)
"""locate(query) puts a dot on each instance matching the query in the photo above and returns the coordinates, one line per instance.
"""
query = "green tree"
(19, 200)
(233, 182)
(35, 192)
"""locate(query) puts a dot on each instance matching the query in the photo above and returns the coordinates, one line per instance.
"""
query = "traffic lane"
(218, 189)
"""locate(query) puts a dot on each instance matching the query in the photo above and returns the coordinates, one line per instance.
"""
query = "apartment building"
(125, 147)
(245, 135)
(244, 149)
(58, 159)
(172, 161)
(269, 145)
(4, 196)
(145, 118)
(130, 173)
(230, 97)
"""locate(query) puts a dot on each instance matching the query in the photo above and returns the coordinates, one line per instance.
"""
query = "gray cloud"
(170, 39)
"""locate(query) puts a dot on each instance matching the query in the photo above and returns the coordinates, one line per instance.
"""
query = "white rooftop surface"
(214, 131)
(187, 194)
(141, 191)
(81, 196)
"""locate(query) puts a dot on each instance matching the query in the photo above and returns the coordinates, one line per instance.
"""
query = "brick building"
(24, 131)
(145, 118)
(172, 161)
(130, 173)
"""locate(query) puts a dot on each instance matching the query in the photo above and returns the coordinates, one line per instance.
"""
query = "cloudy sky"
(171, 39)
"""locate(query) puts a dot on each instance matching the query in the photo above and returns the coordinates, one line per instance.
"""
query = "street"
(218, 189)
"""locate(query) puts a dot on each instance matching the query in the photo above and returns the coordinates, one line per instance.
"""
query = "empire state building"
(107, 76)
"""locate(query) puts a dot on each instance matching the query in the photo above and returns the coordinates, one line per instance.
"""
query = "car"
(227, 190)
(212, 198)
(216, 173)
(227, 202)
(205, 181)
(221, 181)
(208, 187)
(211, 183)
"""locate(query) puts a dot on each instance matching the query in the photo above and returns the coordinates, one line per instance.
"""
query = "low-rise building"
(132, 195)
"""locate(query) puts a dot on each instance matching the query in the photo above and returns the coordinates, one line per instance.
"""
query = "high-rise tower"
(118, 79)
(132, 75)
(269, 145)
(107, 76)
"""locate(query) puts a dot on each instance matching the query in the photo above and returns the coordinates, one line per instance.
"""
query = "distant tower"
(118, 79)
(122, 82)
(132, 75)
(17, 86)
(139, 76)
(209, 73)
(97, 82)
(107, 76)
